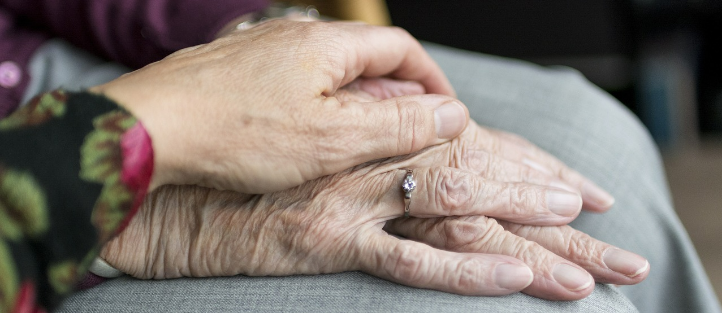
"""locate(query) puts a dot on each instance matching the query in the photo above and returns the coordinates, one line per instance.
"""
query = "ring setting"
(408, 186)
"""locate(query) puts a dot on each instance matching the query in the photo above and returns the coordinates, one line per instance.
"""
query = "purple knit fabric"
(132, 32)
(16, 46)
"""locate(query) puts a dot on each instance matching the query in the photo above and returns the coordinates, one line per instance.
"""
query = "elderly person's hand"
(335, 224)
(254, 111)
(549, 251)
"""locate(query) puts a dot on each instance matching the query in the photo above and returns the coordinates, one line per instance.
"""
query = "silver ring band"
(408, 186)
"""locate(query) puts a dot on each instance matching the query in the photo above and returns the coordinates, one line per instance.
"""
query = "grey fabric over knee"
(345, 292)
(537, 103)
(563, 113)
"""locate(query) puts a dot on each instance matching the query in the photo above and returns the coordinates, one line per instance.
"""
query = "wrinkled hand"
(560, 257)
(335, 224)
(505, 157)
(254, 111)
(328, 225)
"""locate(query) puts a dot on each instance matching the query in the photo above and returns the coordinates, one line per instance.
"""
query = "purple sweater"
(132, 32)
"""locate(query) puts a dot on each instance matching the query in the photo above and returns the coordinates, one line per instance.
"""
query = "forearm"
(73, 170)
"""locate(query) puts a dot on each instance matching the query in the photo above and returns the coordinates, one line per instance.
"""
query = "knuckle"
(463, 234)
(581, 248)
(505, 238)
(494, 234)
(530, 252)
(453, 191)
(493, 238)
(413, 124)
(470, 274)
(467, 157)
(523, 199)
(405, 263)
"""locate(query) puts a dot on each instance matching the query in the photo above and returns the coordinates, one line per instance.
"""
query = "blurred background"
(661, 58)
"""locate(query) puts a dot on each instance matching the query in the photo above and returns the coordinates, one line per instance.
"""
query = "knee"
(595, 107)
(598, 120)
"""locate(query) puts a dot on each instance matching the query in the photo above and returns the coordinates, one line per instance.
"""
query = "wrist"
(163, 239)
(143, 166)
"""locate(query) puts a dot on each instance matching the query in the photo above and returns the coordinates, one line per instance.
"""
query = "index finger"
(374, 51)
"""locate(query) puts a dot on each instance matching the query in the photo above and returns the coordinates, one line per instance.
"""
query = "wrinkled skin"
(479, 206)
(254, 111)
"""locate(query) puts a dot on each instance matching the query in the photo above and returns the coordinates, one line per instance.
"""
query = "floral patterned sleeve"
(74, 168)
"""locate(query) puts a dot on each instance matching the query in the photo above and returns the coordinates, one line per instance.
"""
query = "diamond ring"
(408, 187)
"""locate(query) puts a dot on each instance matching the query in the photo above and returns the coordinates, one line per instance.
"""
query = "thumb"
(403, 125)
(366, 131)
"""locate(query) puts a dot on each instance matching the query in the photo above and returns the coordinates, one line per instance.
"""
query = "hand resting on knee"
(482, 222)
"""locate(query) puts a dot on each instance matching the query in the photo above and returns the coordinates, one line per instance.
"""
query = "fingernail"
(513, 276)
(592, 192)
(624, 262)
(571, 277)
(450, 120)
(563, 203)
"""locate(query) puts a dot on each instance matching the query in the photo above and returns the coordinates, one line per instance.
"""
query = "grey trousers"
(556, 108)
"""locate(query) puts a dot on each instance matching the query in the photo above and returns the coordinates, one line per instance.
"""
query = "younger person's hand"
(255, 111)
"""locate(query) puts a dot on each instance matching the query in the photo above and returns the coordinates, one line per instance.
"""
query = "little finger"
(607, 263)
